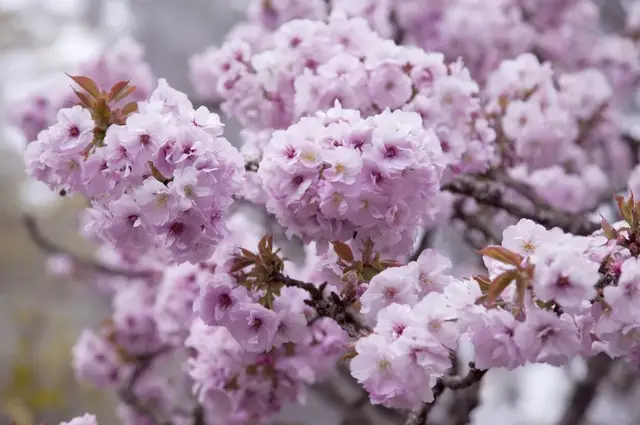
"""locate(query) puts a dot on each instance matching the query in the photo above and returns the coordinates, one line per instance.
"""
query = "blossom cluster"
(122, 61)
(164, 177)
(565, 33)
(365, 125)
(240, 386)
(550, 308)
(417, 311)
(335, 174)
(245, 360)
(314, 64)
(557, 132)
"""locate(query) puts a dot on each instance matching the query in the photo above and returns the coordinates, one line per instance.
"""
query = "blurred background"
(41, 316)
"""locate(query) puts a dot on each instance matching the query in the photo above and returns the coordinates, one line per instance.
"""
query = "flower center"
(74, 131)
(255, 324)
(225, 301)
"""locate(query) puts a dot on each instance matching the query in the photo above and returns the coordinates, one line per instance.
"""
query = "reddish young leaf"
(499, 284)
(123, 94)
(502, 254)
(262, 245)
(484, 282)
(129, 108)
(608, 229)
(240, 264)
(624, 209)
(248, 254)
(84, 99)
(343, 250)
(117, 88)
(87, 85)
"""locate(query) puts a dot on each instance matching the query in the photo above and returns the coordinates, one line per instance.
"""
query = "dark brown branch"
(521, 188)
(425, 241)
(198, 416)
(634, 147)
(464, 403)
(128, 393)
(333, 307)
(474, 222)
(356, 414)
(488, 192)
(51, 248)
(460, 382)
(585, 392)
(420, 416)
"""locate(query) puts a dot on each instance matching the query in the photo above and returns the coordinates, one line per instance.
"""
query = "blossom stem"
(51, 248)
(488, 192)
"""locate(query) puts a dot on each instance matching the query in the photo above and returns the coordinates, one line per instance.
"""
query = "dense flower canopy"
(368, 126)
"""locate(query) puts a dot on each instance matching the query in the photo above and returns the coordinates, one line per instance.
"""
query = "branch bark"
(333, 307)
(50, 247)
(585, 392)
(128, 395)
(420, 415)
(491, 193)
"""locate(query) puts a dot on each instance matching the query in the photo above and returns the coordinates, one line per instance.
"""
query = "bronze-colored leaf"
(129, 108)
(87, 84)
(240, 264)
(484, 282)
(117, 88)
(499, 284)
(609, 231)
(124, 93)
(349, 355)
(84, 99)
(343, 251)
(248, 254)
(502, 254)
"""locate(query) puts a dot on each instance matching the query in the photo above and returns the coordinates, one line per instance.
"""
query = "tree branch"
(333, 307)
(128, 395)
(488, 192)
(51, 248)
(425, 241)
(585, 392)
(420, 415)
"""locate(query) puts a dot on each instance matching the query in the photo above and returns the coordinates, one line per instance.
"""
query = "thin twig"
(51, 248)
(473, 221)
(491, 193)
(128, 393)
(585, 392)
(521, 188)
(333, 307)
(425, 241)
(420, 415)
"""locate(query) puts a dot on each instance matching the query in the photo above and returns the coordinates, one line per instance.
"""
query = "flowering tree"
(368, 125)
